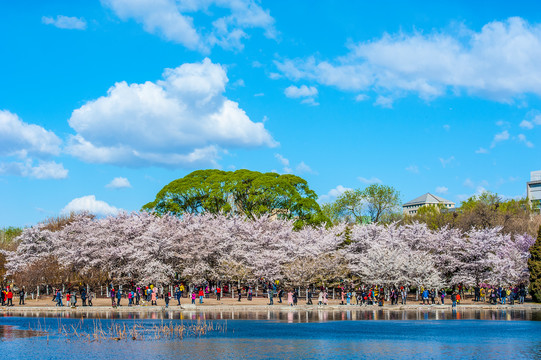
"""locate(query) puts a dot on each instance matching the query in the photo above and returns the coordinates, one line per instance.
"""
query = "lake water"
(423, 334)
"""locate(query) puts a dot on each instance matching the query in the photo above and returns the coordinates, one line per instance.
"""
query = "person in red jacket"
(201, 295)
(10, 297)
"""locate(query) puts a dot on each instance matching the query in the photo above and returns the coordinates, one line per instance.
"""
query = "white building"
(533, 189)
(411, 207)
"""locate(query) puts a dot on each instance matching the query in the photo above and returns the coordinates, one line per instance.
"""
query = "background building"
(411, 207)
(533, 189)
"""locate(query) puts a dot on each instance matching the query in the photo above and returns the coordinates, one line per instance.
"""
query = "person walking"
(271, 295)
(22, 294)
(280, 294)
(112, 294)
(90, 297)
(309, 296)
(218, 293)
(154, 298)
(404, 294)
(239, 294)
(521, 294)
(325, 298)
(177, 295)
(193, 297)
(425, 296)
(290, 298)
(202, 294)
(10, 297)
(118, 296)
(442, 296)
(59, 298)
(181, 289)
(83, 296)
(453, 299)
(166, 299)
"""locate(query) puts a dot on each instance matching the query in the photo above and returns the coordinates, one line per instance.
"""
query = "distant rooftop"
(535, 175)
(428, 198)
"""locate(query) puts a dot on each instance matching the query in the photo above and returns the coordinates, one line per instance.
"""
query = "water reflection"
(299, 316)
(9, 332)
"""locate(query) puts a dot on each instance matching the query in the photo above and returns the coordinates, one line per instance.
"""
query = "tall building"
(533, 190)
(411, 207)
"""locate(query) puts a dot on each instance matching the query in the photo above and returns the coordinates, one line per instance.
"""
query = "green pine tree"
(534, 265)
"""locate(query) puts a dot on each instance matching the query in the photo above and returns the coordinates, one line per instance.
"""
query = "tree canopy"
(245, 192)
(376, 203)
(534, 265)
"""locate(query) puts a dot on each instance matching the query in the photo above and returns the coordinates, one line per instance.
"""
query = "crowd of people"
(8, 293)
(347, 295)
(71, 297)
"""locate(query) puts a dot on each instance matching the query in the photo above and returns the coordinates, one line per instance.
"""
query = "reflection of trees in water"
(302, 315)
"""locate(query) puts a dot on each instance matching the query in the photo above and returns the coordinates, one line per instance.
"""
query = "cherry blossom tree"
(146, 248)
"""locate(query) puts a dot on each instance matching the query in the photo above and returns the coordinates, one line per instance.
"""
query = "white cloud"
(282, 160)
(372, 180)
(526, 124)
(307, 93)
(441, 190)
(170, 19)
(479, 190)
(285, 163)
(481, 150)
(530, 124)
(310, 101)
(436, 63)
(65, 22)
(361, 97)
(23, 142)
(183, 120)
(499, 137)
(298, 92)
(90, 204)
(43, 170)
(468, 183)
(384, 102)
(503, 124)
(303, 168)
(522, 138)
(20, 139)
(413, 169)
(239, 83)
(446, 162)
(119, 183)
(334, 193)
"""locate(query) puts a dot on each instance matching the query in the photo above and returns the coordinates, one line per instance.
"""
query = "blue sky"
(104, 103)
